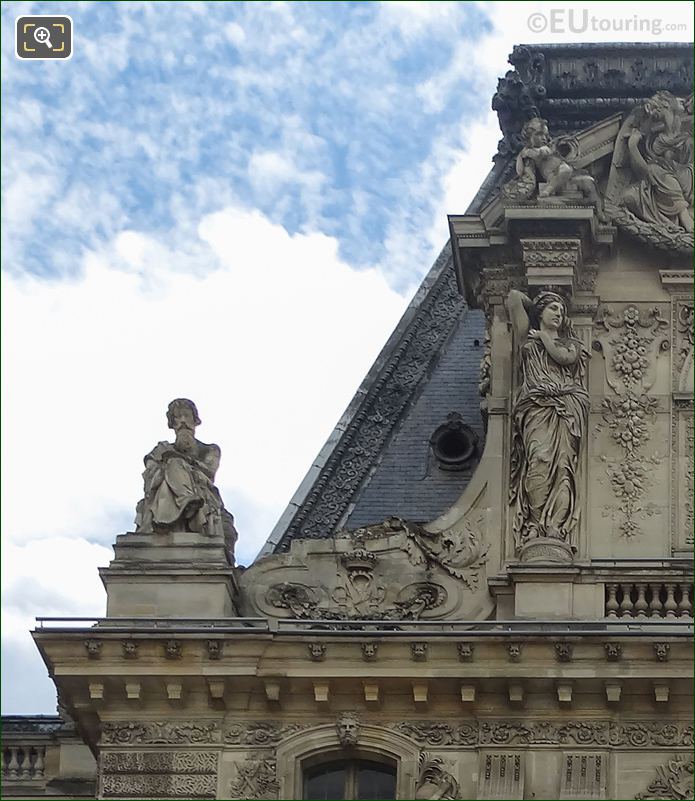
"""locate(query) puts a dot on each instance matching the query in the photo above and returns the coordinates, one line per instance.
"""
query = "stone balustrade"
(23, 762)
(649, 599)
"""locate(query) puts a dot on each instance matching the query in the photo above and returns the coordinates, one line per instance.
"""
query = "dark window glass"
(325, 782)
(361, 779)
(375, 782)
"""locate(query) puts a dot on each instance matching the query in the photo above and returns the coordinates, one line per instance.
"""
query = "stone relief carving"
(434, 781)
(259, 733)
(674, 780)
(502, 776)
(93, 648)
(317, 651)
(347, 726)
(159, 762)
(158, 786)
(159, 774)
(173, 649)
(630, 348)
(256, 778)
(358, 595)
(583, 776)
(299, 599)
(465, 651)
(684, 341)
(361, 580)
(688, 516)
(543, 171)
(514, 102)
(369, 651)
(180, 493)
(634, 337)
(459, 551)
(380, 410)
(648, 734)
(563, 651)
(630, 734)
(130, 649)
(549, 422)
(215, 649)
(661, 651)
(434, 734)
(543, 732)
(155, 733)
(650, 187)
(418, 651)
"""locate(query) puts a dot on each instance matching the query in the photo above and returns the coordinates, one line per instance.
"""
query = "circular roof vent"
(454, 444)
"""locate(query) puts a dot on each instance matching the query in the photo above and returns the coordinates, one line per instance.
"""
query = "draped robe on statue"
(549, 420)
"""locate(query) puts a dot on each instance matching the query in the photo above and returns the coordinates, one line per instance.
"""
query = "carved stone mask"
(348, 729)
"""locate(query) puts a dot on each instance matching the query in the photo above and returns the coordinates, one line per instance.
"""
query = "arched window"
(350, 779)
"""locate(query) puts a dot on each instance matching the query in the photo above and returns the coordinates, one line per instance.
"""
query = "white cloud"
(270, 341)
(235, 33)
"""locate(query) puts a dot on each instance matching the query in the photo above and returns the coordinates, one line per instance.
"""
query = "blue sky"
(232, 202)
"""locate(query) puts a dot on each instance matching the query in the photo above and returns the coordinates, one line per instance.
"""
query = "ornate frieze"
(256, 778)
(649, 734)
(160, 732)
(259, 733)
(430, 733)
(674, 780)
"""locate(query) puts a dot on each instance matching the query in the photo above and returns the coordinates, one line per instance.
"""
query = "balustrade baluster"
(641, 602)
(26, 763)
(655, 605)
(39, 764)
(626, 608)
(670, 605)
(685, 606)
(13, 765)
(612, 603)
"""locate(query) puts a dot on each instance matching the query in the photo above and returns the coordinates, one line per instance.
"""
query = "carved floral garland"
(630, 354)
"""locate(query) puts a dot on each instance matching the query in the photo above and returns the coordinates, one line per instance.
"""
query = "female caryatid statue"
(549, 419)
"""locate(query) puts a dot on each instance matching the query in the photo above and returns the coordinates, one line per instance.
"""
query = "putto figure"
(180, 494)
(543, 170)
(549, 421)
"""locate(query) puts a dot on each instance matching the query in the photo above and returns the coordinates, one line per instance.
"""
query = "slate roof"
(378, 462)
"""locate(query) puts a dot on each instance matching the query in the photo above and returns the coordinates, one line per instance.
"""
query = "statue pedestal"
(177, 574)
(543, 549)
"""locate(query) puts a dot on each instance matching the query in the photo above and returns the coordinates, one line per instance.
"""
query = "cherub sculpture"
(543, 171)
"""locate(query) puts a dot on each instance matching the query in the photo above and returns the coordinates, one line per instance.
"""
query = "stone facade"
(535, 639)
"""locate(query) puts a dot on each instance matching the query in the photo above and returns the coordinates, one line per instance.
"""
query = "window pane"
(325, 782)
(375, 782)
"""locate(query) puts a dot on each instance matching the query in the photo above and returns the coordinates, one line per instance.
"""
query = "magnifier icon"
(42, 36)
